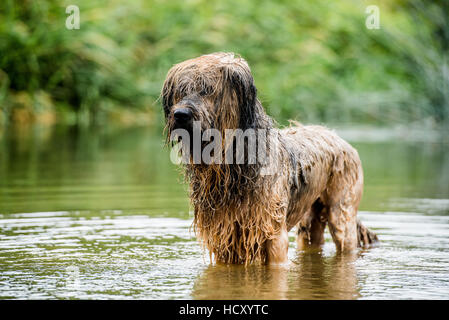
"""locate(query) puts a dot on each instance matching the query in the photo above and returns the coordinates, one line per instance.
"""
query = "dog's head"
(216, 89)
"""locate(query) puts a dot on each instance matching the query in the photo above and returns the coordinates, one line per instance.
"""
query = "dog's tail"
(365, 237)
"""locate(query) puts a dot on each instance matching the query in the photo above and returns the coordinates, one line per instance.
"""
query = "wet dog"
(309, 178)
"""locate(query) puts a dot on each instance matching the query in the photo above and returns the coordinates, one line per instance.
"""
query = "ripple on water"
(122, 255)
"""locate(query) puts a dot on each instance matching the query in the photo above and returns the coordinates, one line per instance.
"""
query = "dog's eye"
(205, 91)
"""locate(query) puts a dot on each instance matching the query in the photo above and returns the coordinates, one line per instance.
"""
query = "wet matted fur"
(241, 213)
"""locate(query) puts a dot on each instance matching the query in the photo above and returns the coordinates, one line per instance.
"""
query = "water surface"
(103, 214)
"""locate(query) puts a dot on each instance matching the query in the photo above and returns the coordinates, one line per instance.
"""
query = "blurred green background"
(314, 61)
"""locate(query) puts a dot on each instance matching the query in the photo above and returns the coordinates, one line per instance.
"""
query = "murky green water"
(101, 214)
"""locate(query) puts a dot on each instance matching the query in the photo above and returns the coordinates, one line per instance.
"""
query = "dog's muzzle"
(183, 118)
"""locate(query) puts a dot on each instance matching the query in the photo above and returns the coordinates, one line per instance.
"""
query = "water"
(103, 214)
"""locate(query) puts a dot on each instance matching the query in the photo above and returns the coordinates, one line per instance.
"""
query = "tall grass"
(313, 61)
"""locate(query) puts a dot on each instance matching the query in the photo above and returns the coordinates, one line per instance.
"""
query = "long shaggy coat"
(242, 212)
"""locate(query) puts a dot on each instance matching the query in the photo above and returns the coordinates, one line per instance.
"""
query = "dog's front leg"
(277, 248)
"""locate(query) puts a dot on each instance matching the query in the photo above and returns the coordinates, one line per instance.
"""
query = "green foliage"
(313, 61)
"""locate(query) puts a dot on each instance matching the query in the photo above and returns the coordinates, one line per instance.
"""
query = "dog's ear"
(239, 84)
(167, 94)
(246, 92)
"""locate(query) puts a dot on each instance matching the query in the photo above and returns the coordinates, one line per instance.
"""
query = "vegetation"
(313, 61)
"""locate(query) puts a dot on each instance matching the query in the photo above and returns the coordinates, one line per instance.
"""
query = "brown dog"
(311, 177)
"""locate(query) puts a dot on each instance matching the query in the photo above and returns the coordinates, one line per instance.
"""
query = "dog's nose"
(182, 114)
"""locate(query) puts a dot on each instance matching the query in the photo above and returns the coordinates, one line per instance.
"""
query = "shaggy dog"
(241, 213)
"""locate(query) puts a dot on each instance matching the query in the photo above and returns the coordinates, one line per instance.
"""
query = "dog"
(242, 214)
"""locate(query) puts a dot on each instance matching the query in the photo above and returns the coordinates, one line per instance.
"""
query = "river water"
(103, 214)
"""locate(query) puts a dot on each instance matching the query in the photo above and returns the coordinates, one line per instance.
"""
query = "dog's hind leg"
(346, 230)
(344, 193)
(311, 227)
(343, 226)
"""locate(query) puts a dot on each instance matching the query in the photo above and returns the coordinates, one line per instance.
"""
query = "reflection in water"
(71, 168)
(241, 282)
(320, 277)
(311, 275)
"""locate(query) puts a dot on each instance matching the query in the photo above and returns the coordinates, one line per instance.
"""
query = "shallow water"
(102, 214)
